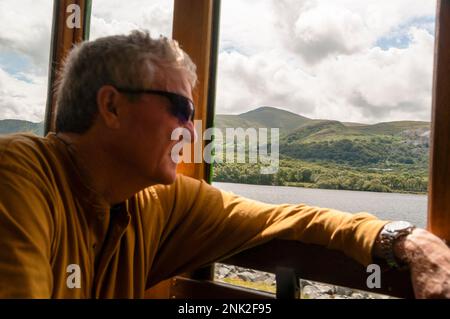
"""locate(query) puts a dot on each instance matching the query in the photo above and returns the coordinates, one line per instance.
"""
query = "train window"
(349, 86)
(25, 30)
(118, 17)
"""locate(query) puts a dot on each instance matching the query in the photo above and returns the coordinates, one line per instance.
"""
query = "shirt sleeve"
(207, 224)
(25, 241)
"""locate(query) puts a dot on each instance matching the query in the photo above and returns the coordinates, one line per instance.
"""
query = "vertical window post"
(70, 26)
(192, 28)
(439, 192)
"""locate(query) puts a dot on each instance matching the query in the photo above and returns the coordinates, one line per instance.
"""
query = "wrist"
(390, 244)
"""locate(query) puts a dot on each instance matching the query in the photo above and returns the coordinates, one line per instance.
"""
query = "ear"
(108, 102)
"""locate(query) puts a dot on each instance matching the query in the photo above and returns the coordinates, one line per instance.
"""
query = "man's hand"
(429, 260)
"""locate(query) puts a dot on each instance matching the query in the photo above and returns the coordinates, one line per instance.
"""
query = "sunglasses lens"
(183, 109)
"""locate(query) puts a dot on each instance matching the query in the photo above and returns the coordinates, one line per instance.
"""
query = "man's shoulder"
(18, 142)
(181, 182)
(23, 151)
(182, 185)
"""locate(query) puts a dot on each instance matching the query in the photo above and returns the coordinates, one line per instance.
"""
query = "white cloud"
(118, 17)
(320, 59)
(379, 85)
(25, 29)
(329, 29)
(22, 99)
(249, 82)
(247, 26)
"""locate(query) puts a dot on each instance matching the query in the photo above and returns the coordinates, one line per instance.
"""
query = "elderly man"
(96, 209)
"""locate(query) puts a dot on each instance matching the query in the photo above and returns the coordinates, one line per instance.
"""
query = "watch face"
(398, 226)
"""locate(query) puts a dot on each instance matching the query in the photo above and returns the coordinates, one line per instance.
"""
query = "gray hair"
(119, 60)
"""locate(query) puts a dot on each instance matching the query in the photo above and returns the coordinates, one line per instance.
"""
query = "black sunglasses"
(181, 106)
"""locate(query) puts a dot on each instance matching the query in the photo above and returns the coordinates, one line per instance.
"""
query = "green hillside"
(392, 128)
(354, 144)
(391, 156)
(13, 126)
(321, 130)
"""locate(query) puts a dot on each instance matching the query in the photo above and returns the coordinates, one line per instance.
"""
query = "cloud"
(315, 30)
(24, 56)
(25, 30)
(380, 85)
(249, 82)
(118, 17)
(247, 26)
(23, 98)
(323, 59)
(328, 29)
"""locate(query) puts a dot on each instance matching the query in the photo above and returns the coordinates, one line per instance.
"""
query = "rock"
(357, 295)
(270, 281)
(247, 276)
(343, 291)
(223, 272)
(262, 276)
(310, 292)
(325, 289)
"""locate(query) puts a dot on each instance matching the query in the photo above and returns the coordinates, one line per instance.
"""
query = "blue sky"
(400, 37)
(15, 64)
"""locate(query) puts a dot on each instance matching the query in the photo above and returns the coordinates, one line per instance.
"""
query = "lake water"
(389, 206)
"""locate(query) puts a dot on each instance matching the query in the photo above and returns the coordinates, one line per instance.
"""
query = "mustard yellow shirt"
(51, 222)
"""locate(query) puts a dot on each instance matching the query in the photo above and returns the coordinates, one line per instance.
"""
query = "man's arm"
(25, 241)
(206, 225)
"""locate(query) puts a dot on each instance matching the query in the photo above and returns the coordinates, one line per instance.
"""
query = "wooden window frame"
(195, 27)
(62, 40)
(439, 186)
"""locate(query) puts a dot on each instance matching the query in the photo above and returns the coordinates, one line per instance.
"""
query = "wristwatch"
(386, 240)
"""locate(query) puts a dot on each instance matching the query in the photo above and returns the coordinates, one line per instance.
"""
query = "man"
(96, 209)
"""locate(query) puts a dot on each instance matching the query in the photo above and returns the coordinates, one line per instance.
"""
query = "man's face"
(147, 128)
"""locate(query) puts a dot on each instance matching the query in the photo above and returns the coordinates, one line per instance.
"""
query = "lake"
(389, 206)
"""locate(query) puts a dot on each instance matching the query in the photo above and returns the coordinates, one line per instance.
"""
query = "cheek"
(144, 126)
(152, 130)
(155, 143)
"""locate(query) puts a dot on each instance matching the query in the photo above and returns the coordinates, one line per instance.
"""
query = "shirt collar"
(79, 181)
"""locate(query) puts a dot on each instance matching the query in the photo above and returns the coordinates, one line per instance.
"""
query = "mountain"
(12, 126)
(267, 117)
(272, 117)
(299, 127)
(355, 144)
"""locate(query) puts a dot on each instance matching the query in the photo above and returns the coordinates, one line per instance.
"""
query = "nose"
(190, 127)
